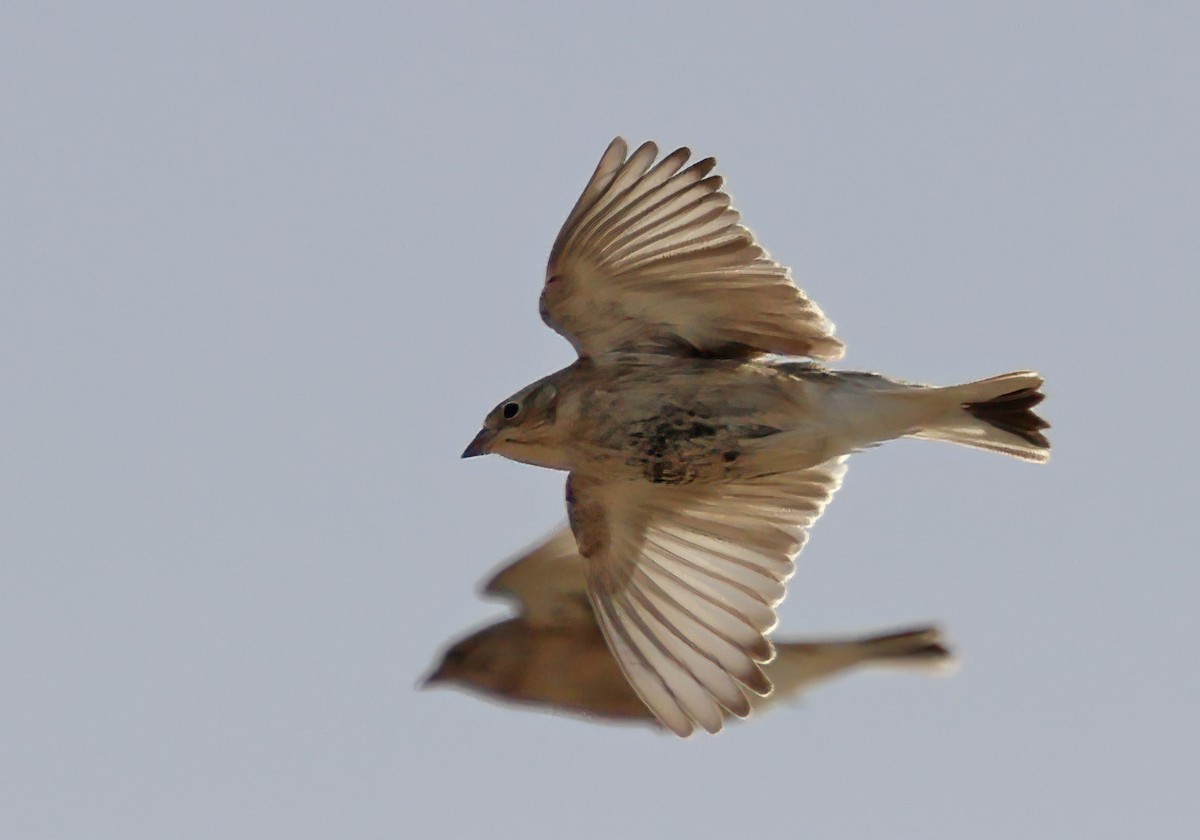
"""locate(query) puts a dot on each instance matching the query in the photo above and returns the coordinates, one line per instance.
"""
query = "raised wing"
(685, 580)
(546, 582)
(652, 259)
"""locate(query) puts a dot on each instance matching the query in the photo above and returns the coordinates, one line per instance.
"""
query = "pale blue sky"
(266, 270)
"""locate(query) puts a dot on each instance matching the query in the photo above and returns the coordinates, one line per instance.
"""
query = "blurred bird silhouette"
(552, 654)
(697, 459)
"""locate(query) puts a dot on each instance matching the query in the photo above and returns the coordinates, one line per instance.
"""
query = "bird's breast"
(665, 431)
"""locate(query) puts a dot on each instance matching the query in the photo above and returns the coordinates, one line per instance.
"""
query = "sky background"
(266, 269)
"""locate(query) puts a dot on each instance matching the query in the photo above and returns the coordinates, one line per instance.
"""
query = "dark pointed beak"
(480, 445)
(433, 678)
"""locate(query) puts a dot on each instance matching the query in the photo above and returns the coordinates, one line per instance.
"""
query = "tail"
(801, 664)
(995, 414)
(922, 647)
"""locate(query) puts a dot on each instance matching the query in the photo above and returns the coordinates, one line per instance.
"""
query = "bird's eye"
(510, 410)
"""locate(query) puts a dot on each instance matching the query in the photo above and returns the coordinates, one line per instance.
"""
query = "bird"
(701, 430)
(552, 654)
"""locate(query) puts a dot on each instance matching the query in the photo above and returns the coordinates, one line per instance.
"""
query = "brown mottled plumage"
(697, 461)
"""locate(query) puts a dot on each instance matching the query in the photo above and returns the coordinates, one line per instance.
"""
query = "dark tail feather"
(919, 646)
(1013, 413)
(994, 413)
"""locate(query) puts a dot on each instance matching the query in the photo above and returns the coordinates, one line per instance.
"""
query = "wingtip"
(648, 148)
(617, 147)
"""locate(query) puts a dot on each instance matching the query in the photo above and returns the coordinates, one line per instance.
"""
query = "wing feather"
(684, 581)
(646, 680)
(653, 258)
(546, 581)
(695, 680)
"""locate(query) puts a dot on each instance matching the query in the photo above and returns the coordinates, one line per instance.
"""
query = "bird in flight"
(552, 654)
(700, 448)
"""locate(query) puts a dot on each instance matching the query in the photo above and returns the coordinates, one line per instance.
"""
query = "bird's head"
(486, 660)
(523, 428)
